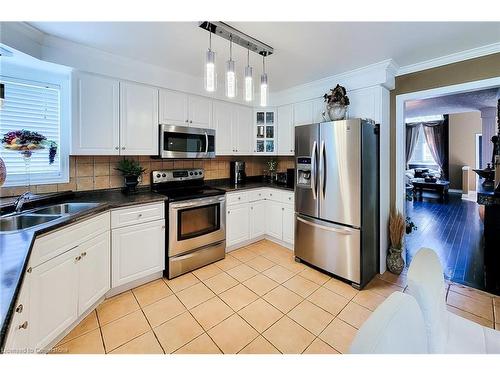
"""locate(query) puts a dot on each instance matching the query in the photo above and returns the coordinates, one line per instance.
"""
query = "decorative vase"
(336, 111)
(395, 262)
(131, 183)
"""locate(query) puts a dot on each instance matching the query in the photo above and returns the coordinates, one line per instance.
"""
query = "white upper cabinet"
(200, 112)
(223, 119)
(177, 108)
(286, 133)
(173, 108)
(242, 127)
(138, 119)
(96, 115)
(303, 113)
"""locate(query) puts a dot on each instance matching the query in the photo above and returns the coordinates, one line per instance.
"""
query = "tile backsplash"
(98, 172)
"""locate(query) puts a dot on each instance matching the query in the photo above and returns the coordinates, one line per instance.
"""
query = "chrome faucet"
(19, 202)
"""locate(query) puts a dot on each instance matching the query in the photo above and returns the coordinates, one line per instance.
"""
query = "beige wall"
(463, 128)
(451, 74)
(98, 172)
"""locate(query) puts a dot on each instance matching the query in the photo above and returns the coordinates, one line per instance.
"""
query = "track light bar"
(227, 32)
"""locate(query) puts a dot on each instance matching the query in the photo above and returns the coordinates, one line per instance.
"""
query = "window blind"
(37, 107)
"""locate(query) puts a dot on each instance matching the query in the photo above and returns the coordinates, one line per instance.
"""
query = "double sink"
(39, 216)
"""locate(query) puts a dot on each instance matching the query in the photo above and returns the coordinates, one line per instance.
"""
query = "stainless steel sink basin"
(24, 221)
(64, 209)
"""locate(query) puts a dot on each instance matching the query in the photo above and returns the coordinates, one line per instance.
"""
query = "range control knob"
(190, 173)
(196, 173)
(164, 175)
(158, 175)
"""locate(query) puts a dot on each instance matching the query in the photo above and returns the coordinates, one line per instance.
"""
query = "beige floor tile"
(279, 274)
(342, 288)
(163, 310)
(259, 346)
(211, 312)
(368, 299)
(120, 331)
(301, 286)
(201, 345)
(151, 292)
(259, 263)
(238, 297)
(144, 344)
(354, 314)
(318, 346)
(283, 299)
(116, 307)
(177, 332)
(382, 287)
(89, 343)
(194, 295)
(260, 314)
(233, 334)
(339, 335)
(399, 280)
(220, 282)
(260, 284)
(328, 300)
(89, 323)
(207, 272)
(227, 263)
(311, 317)
(242, 272)
(472, 293)
(469, 316)
(288, 337)
(315, 276)
(243, 254)
(462, 302)
(182, 282)
(291, 265)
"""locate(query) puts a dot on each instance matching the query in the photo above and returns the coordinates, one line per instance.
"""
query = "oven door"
(196, 223)
(185, 142)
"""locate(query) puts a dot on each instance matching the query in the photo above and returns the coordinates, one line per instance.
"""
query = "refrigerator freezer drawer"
(333, 248)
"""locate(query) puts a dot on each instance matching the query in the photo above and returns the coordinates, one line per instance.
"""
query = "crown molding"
(473, 53)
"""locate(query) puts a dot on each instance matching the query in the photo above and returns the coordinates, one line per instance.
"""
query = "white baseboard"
(133, 284)
(256, 239)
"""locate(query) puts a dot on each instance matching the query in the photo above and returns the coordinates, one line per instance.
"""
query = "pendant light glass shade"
(230, 73)
(210, 78)
(263, 85)
(248, 79)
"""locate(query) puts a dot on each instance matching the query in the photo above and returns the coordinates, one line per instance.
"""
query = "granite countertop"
(252, 183)
(15, 247)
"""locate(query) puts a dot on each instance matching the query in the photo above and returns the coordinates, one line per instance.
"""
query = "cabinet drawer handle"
(83, 254)
(24, 325)
(19, 309)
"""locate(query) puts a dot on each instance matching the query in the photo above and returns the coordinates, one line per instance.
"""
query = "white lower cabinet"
(288, 224)
(274, 219)
(17, 340)
(237, 224)
(257, 218)
(137, 251)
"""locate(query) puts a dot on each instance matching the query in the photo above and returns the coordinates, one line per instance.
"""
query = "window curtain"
(436, 136)
(412, 131)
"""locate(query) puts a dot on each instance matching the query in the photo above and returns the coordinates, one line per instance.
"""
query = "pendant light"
(210, 78)
(248, 79)
(263, 84)
(230, 73)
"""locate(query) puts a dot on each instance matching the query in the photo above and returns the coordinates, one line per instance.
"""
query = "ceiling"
(304, 51)
(456, 103)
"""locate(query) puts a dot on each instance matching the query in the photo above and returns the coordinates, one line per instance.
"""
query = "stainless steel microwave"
(183, 142)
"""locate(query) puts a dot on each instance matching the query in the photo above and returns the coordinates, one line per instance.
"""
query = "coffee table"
(440, 186)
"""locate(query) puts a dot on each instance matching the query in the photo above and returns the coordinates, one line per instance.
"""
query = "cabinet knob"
(24, 325)
(29, 270)
(117, 148)
(239, 198)
(139, 215)
(187, 120)
(282, 208)
(78, 258)
(228, 212)
(19, 309)
(191, 121)
(123, 148)
(163, 227)
(83, 254)
(251, 208)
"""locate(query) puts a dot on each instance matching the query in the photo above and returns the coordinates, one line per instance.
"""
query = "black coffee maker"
(237, 173)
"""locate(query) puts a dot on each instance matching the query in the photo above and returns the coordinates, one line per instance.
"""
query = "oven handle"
(198, 202)
(206, 143)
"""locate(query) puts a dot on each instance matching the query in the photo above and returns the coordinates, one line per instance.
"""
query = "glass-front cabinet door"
(265, 132)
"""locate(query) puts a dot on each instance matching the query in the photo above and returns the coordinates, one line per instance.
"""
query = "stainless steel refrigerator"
(337, 198)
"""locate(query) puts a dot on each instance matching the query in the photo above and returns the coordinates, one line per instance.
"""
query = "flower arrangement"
(338, 95)
(397, 228)
(26, 141)
(130, 167)
(272, 165)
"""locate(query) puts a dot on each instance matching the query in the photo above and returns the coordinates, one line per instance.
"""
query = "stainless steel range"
(196, 233)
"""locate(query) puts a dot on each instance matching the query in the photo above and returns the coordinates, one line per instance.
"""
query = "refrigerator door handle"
(313, 169)
(322, 169)
(332, 228)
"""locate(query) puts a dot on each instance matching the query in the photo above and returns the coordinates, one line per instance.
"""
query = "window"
(36, 107)
(422, 153)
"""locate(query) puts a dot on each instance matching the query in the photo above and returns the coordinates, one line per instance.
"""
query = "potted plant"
(131, 170)
(337, 102)
(272, 167)
(410, 225)
(397, 228)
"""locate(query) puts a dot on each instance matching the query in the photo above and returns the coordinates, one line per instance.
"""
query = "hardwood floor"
(454, 230)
